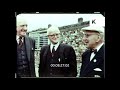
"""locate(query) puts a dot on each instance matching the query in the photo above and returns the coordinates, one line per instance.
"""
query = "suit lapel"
(61, 49)
(98, 54)
(87, 60)
(27, 44)
(47, 50)
(88, 63)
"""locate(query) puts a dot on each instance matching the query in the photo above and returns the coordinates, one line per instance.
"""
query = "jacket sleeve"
(41, 64)
(72, 63)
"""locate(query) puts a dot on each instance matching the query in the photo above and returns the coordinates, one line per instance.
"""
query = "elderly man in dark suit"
(56, 59)
(25, 66)
(93, 64)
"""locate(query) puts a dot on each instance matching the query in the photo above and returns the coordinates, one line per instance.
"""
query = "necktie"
(93, 52)
(20, 41)
(53, 51)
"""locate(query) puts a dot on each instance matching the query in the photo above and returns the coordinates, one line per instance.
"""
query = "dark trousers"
(23, 73)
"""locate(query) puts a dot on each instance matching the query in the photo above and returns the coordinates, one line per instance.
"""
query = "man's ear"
(98, 38)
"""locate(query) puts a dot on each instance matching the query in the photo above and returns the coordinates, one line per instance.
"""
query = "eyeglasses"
(23, 30)
(53, 35)
(25, 25)
(88, 35)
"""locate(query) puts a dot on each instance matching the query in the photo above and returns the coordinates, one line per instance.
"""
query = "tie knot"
(94, 50)
(20, 37)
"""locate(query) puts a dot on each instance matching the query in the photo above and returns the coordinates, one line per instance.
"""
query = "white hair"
(53, 29)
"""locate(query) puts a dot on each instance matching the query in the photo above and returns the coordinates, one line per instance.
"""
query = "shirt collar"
(17, 37)
(56, 46)
(99, 46)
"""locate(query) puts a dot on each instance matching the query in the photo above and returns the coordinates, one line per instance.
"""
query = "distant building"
(40, 36)
(49, 25)
(80, 20)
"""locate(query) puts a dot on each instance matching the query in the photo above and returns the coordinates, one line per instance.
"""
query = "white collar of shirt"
(17, 38)
(98, 47)
(56, 46)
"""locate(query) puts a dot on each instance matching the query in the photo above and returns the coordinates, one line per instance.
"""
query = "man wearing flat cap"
(56, 59)
(93, 58)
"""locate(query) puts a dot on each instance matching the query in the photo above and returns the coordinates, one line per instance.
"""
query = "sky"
(36, 21)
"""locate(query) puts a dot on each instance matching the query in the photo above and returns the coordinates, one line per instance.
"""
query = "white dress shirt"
(17, 39)
(93, 54)
(56, 46)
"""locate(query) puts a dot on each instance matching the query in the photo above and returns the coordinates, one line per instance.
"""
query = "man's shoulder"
(65, 45)
(86, 52)
(27, 37)
(30, 38)
(45, 46)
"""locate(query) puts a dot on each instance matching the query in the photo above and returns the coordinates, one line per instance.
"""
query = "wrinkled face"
(54, 37)
(91, 38)
(21, 28)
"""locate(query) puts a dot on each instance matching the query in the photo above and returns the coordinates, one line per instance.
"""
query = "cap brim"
(93, 28)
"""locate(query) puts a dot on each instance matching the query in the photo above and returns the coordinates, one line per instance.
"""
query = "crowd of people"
(74, 38)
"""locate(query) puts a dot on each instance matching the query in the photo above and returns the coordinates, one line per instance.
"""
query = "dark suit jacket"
(67, 55)
(87, 68)
(30, 48)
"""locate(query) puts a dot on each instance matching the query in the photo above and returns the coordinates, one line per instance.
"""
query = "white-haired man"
(25, 66)
(93, 58)
(57, 60)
